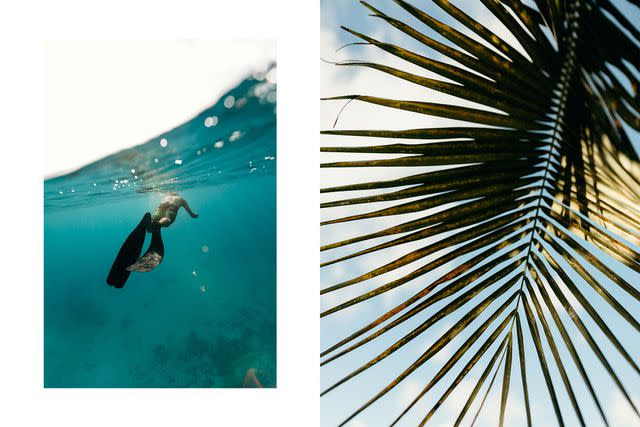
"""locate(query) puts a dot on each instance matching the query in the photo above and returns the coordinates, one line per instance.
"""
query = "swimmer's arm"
(188, 209)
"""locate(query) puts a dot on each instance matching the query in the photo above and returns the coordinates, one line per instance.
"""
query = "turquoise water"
(207, 314)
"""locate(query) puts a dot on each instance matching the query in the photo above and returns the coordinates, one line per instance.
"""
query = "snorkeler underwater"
(202, 198)
(127, 259)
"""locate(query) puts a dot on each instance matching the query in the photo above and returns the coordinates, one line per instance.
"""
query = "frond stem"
(566, 75)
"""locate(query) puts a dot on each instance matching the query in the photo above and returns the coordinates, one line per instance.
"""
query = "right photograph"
(480, 213)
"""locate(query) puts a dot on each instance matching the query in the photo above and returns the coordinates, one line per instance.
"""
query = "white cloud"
(622, 415)
(409, 391)
(358, 423)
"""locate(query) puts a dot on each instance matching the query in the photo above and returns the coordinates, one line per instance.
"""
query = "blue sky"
(340, 402)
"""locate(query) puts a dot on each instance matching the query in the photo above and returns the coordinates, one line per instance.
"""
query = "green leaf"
(505, 380)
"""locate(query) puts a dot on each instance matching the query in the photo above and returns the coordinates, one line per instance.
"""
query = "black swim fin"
(128, 254)
(153, 256)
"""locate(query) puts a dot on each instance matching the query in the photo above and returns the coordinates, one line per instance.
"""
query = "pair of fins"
(128, 258)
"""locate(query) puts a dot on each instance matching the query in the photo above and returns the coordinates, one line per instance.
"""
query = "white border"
(25, 25)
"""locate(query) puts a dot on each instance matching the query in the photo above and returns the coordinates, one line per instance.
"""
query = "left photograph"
(160, 214)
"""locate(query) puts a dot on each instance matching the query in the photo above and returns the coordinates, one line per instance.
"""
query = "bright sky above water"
(101, 97)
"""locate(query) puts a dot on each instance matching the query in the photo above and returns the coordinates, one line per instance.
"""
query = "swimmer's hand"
(187, 208)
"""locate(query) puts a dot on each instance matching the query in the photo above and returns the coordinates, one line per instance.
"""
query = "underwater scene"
(205, 316)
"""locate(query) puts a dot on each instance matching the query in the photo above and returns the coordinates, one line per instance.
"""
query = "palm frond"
(526, 221)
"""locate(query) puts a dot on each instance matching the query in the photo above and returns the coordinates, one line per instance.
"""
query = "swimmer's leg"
(128, 254)
(251, 379)
(153, 256)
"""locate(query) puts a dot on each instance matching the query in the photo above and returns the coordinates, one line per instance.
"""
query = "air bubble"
(211, 121)
(235, 135)
(272, 76)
